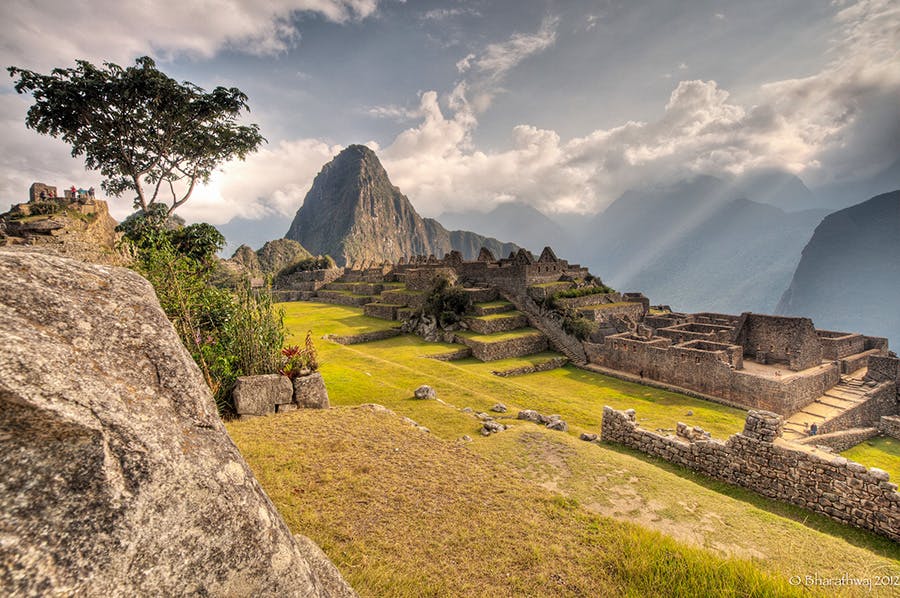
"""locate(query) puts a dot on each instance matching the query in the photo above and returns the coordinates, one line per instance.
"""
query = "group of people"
(81, 193)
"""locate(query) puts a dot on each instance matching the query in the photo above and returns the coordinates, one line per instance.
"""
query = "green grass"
(403, 513)
(498, 336)
(882, 452)
(607, 305)
(490, 304)
(547, 285)
(601, 479)
(500, 316)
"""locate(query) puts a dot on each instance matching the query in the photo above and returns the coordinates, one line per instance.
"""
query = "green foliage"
(583, 291)
(446, 303)
(229, 334)
(296, 360)
(139, 127)
(578, 327)
(319, 262)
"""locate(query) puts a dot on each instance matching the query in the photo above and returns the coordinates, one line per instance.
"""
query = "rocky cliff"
(80, 229)
(117, 477)
(354, 214)
(848, 278)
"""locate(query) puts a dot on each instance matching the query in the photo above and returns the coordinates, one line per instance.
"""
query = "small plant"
(299, 362)
(578, 327)
(446, 303)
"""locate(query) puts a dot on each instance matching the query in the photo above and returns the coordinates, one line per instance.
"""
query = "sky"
(563, 105)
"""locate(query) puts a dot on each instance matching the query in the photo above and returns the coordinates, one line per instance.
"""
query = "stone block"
(310, 392)
(258, 395)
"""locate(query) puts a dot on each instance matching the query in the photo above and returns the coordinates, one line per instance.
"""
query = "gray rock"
(484, 416)
(332, 582)
(466, 438)
(499, 408)
(310, 392)
(425, 392)
(467, 410)
(529, 415)
(558, 424)
(690, 412)
(588, 437)
(491, 427)
(258, 395)
(117, 477)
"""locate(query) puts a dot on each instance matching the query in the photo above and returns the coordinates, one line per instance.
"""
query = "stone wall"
(494, 324)
(837, 345)
(311, 280)
(384, 311)
(514, 347)
(550, 364)
(544, 291)
(779, 339)
(711, 369)
(890, 426)
(840, 441)
(599, 298)
(754, 459)
(365, 337)
(622, 309)
(854, 362)
(882, 369)
(882, 400)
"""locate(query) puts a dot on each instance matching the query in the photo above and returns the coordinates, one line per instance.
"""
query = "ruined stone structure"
(758, 460)
(775, 363)
(37, 189)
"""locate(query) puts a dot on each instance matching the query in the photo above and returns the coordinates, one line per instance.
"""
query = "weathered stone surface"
(425, 392)
(310, 392)
(258, 395)
(117, 477)
(334, 585)
(588, 437)
(491, 427)
(499, 408)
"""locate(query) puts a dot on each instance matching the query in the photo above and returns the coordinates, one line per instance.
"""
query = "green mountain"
(354, 214)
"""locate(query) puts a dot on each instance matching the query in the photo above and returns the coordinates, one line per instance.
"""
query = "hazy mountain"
(518, 222)
(849, 276)
(254, 233)
(845, 194)
(354, 214)
(777, 188)
(696, 245)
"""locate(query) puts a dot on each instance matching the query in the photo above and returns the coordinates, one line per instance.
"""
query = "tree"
(142, 130)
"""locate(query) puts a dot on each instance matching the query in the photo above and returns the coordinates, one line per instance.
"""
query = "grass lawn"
(499, 336)
(490, 304)
(882, 452)
(600, 479)
(403, 513)
(500, 316)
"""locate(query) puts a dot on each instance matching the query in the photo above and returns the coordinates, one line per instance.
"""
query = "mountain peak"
(356, 215)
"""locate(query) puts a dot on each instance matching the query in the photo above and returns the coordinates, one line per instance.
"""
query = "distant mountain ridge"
(848, 278)
(698, 245)
(353, 213)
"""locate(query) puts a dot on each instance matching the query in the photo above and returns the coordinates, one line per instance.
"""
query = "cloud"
(41, 34)
(440, 14)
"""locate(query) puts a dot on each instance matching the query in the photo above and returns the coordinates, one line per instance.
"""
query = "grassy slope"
(882, 452)
(601, 478)
(403, 513)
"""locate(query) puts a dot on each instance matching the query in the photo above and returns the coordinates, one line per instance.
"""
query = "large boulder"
(310, 391)
(117, 477)
(259, 395)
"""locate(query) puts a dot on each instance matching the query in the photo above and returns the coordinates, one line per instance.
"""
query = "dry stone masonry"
(758, 460)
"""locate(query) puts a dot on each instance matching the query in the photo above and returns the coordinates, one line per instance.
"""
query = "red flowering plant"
(299, 362)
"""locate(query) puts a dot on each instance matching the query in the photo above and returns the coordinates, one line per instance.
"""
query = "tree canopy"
(144, 131)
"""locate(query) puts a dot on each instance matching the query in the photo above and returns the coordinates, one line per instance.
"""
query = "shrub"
(295, 360)
(580, 328)
(446, 303)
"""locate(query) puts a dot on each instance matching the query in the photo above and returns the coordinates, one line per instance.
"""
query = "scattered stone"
(467, 410)
(491, 427)
(258, 395)
(588, 437)
(117, 477)
(499, 408)
(529, 415)
(425, 392)
(558, 424)
(310, 392)
(466, 438)
(690, 412)
(484, 416)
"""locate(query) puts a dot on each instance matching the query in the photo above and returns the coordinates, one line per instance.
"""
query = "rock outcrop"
(80, 229)
(354, 214)
(117, 477)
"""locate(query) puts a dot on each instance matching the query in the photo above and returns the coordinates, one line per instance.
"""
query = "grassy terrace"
(548, 285)
(500, 316)
(606, 305)
(491, 304)
(498, 337)
(398, 528)
(882, 452)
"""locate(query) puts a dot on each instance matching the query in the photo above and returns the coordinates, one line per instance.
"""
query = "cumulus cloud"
(41, 34)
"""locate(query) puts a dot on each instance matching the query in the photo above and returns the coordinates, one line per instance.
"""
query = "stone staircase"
(848, 393)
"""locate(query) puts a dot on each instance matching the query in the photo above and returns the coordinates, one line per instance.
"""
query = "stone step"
(502, 322)
(384, 311)
(504, 345)
(492, 307)
(481, 295)
(404, 297)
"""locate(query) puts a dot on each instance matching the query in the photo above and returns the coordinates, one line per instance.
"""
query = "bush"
(580, 328)
(229, 334)
(446, 303)
(295, 360)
